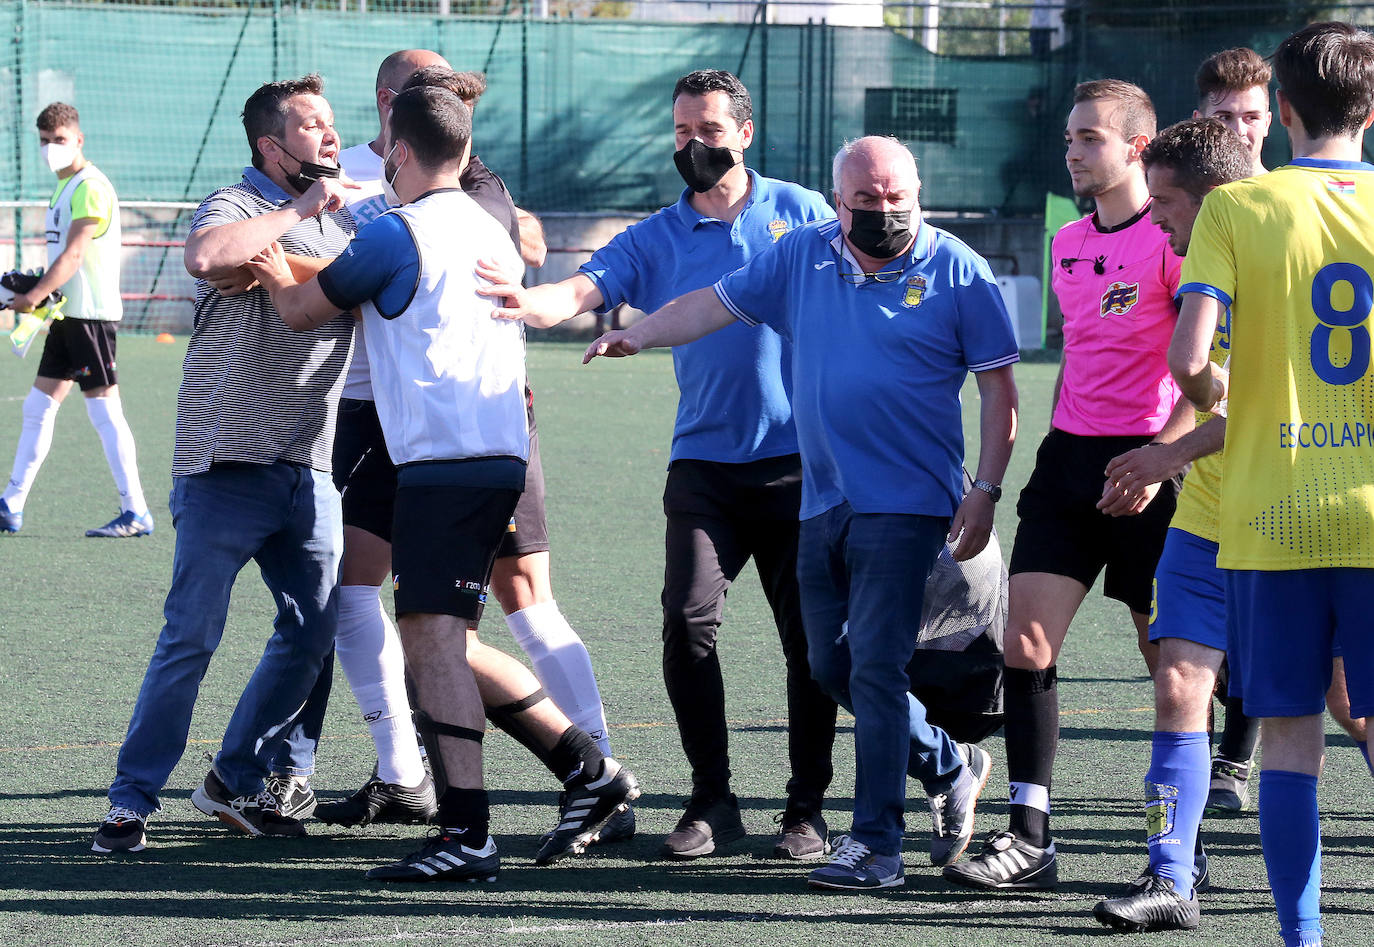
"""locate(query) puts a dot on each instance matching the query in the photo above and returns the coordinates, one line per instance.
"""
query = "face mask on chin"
(309, 171)
(702, 167)
(58, 156)
(879, 234)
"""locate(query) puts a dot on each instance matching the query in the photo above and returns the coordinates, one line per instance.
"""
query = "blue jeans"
(287, 518)
(870, 570)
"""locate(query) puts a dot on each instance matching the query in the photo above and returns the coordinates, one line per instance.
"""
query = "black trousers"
(720, 515)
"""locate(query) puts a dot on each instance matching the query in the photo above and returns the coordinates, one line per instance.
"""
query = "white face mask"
(388, 184)
(58, 156)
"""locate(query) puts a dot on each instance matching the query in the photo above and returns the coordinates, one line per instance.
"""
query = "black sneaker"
(295, 798)
(383, 803)
(802, 835)
(259, 814)
(1151, 904)
(1006, 862)
(706, 824)
(620, 827)
(585, 807)
(122, 831)
(443, 857)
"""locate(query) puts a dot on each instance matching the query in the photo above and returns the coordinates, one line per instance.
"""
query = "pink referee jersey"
(1117, 325)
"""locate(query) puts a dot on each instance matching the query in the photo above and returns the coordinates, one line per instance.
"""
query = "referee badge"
(1119, 299)
(777, 227)
(915, 292)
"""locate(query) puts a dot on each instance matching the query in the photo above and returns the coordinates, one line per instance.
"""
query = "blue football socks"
(1175, 794)
(1291, 838)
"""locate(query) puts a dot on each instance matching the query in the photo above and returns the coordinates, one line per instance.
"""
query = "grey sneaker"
(703, 826)
(951, 813)
(122, 831)
(1151, 904)
(295, 798)
(1229, 792)
(802, 835)
(259, 814)
(856, 868)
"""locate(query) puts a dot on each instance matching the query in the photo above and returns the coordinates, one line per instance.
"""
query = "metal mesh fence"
(577, 118)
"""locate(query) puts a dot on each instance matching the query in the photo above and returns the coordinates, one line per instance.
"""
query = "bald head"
(401, 65)
(874, 155)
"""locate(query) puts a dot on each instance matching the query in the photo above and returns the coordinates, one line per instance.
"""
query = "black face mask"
(702, 167)
(880, 234)
(309, 172)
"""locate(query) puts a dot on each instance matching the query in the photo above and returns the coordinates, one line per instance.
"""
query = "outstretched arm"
(683, 320)
(539, 307)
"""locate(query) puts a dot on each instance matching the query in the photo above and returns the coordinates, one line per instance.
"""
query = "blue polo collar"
(693, 218)
(265, 186)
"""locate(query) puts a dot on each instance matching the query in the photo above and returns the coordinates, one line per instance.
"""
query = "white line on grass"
(885, 907)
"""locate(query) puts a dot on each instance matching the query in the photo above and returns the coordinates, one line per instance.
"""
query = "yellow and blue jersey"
(1291, 254)
(1199, 504)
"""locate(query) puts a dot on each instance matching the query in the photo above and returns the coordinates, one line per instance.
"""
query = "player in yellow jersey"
(1289, 255)
(1188, 615)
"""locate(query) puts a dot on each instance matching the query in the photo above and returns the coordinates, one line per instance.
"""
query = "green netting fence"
(577, 118)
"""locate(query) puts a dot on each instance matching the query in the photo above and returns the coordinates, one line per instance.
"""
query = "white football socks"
(107, 417)
(35, 438)
(563, 666)
(369, 651)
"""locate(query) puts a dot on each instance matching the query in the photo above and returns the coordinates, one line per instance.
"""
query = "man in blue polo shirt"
(734, 477)
(886, 316)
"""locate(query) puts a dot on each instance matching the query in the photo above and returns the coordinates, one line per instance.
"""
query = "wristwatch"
(993, 490)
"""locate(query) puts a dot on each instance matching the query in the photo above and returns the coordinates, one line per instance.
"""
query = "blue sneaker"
(10, 521)
(855, 868)
(124, 525)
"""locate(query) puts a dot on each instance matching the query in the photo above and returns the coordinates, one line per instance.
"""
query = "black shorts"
(1062, 532)
(444, 540)
(80, 350)
(363, 471)
(528, 530)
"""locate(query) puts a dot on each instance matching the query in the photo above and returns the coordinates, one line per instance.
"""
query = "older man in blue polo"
(887, 315)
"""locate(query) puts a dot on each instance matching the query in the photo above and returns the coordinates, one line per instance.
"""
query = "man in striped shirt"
(251, 480)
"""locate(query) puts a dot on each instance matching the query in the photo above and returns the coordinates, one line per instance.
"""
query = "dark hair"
(1326, 72)
(1203, 154)
(1231, 70)
(1135, 113)
(705, 81)
(265, 111)
(434, 123)
(58, 115)
(468, 86)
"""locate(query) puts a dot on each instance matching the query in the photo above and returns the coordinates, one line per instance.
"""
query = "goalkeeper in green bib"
(83, 265)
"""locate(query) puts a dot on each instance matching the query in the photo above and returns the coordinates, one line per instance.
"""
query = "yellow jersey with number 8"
(1291, 254)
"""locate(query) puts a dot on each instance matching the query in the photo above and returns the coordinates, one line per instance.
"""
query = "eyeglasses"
(858, 279)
